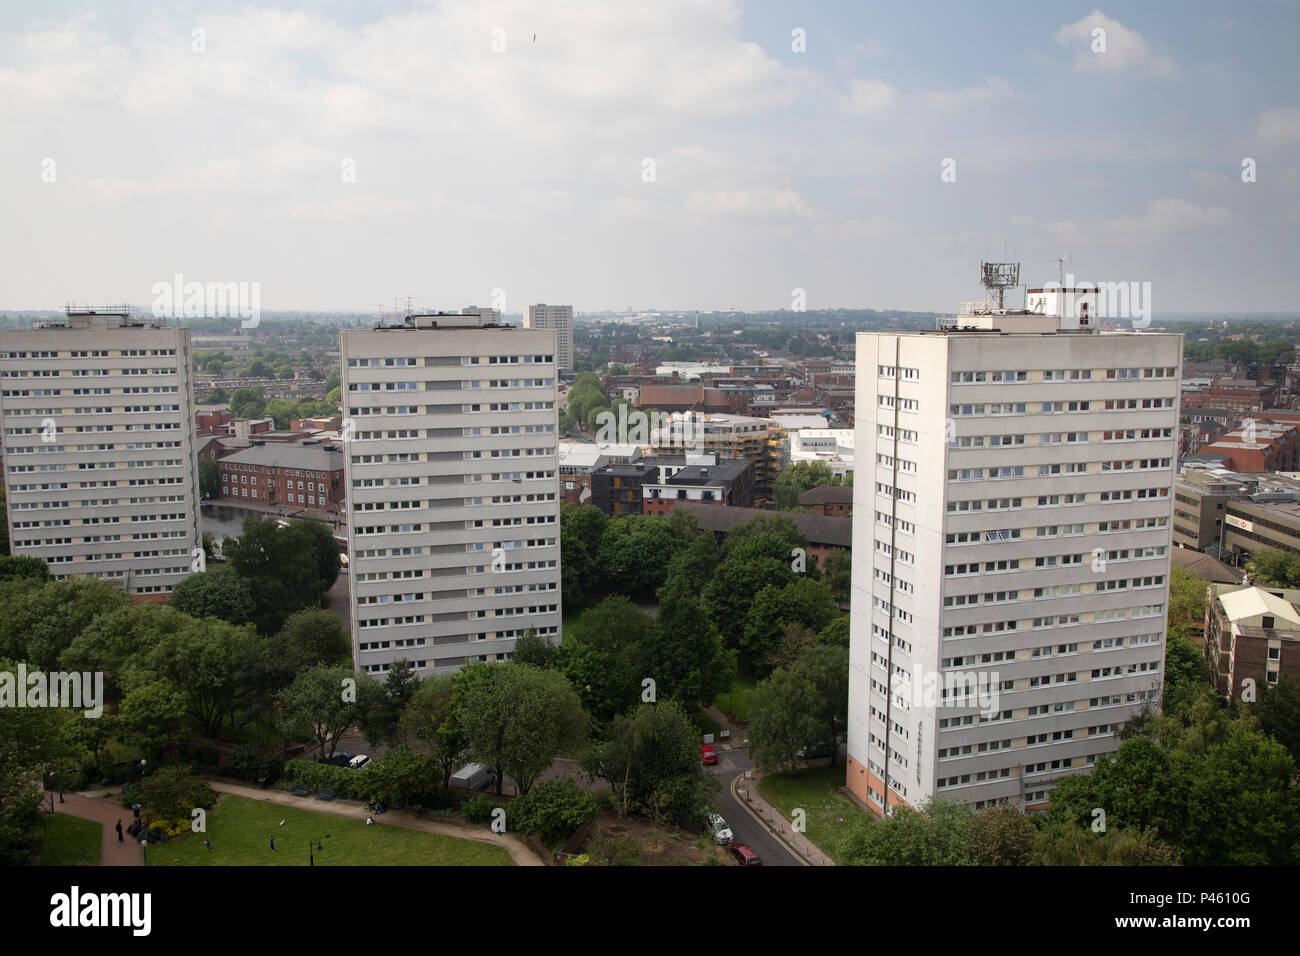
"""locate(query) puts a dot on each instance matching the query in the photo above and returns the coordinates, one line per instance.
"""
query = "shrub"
(553, 810)
(202, 757)
(479, 810)
(170, 794)
(613, 851)
(252, 763)
(345, 782)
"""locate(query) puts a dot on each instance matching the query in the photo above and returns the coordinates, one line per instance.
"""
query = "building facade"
(728, 482)
(557, 319)
(286, 476)
(1252, 634)
(453, 507)
(100, 467)
(1026, 467)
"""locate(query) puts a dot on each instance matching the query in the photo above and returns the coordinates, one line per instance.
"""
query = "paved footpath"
(519, 850)
(112, 853)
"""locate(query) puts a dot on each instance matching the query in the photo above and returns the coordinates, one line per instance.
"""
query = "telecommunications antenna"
(997, 277)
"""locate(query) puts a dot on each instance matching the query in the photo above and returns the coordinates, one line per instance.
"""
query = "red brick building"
(286, 476)
(834, 501)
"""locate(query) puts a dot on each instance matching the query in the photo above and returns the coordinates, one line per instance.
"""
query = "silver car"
(721, 832)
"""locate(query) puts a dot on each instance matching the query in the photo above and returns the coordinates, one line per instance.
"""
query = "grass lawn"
(239, 829)
(737, 699)
(71, 841)
(815, 789)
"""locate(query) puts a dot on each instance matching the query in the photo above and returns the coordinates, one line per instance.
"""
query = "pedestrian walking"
(273, 844)
(207, 843)
(119, 832)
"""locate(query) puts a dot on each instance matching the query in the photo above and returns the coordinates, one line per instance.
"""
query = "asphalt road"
(744, 822)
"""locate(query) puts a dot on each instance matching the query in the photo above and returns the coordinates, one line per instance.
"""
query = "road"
(744, 822)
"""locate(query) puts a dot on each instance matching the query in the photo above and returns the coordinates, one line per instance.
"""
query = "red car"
(707, 754)
(744, 855)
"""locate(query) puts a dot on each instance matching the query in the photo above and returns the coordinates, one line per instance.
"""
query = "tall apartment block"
(99, 460)
(452, 490)
(1012, 533)
(559, 319)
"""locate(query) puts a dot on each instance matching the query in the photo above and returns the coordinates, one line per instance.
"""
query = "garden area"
(240, 831)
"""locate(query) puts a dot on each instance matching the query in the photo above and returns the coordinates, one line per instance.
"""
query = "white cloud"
(990, 88)
(1279, 127)
(868, 98)
(1115, 48)
(763, 202)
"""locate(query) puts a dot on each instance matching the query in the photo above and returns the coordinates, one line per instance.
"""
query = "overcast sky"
(224, 155)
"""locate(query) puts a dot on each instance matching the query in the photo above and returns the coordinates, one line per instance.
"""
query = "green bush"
(345, 782)
(479, 810)
(203, 758)
(435, 798)
(554, 810)
(250, 762)
(170, 794)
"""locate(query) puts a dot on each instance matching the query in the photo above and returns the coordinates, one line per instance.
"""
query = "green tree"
(117, 644)
(210, 661)
(1278, 711)
(634, 553)
(39, 620)
(209, 478)
(533, 649)
(801, 601)
(826, 668)
(836, 633)
(939, 834)
(800, 477)
(1002, 836)
(651, 761)
(219, 593)
(287, 568)
(519, 719)
(153, 717)
(683, 653)
(325, 701)
(24, 567)
(1068, 843)
(431, 719)
(783, 720)
(838, 574)
(603, 653)
(736, 584)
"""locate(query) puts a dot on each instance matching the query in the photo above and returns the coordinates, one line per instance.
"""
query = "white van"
(359, 762)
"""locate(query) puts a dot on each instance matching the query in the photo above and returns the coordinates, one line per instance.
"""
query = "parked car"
(708, 754)
(722, 834)
(340, 759)
(359, 762)
(744, 855)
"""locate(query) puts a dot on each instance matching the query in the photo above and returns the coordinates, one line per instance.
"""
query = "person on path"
(119, 832)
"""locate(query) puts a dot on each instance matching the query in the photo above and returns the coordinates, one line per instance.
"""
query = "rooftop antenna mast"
(997, 277)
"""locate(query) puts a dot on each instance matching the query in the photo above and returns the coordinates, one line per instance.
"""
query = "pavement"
(112, 852)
